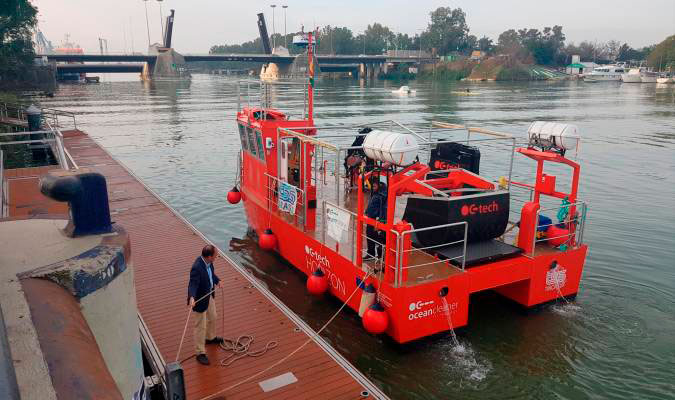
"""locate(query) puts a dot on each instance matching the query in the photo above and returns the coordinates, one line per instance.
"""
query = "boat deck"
(424, 266)
(164, 245)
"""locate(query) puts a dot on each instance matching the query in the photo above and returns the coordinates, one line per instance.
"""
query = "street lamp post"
(147, 26)
(274, 29)
(161, 17)
(285, 33)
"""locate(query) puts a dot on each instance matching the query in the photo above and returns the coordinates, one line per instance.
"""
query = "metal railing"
(575, 224)
(2, 183)
(50, 137)
(52, 116)
(272, 197)
(48, 115)
(401, 266)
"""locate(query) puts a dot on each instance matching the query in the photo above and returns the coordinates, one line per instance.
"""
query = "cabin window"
(242, 136)
(261, 148)
(251, 140)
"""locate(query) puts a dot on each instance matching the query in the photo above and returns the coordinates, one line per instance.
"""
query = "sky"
(200, 24)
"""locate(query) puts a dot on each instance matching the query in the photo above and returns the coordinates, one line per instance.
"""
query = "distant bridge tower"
(169, 29)
(264, 37)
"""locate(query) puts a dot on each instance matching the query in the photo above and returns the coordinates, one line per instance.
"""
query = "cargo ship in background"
(68, 47)
(445, 230)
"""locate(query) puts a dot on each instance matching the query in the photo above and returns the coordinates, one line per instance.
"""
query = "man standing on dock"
(201, 298)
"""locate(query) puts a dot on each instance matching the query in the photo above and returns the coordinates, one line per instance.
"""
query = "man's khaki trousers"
(205, 326)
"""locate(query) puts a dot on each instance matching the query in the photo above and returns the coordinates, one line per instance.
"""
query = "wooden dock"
(164, 245)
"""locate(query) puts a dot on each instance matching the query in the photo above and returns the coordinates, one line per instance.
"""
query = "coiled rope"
(241, 348)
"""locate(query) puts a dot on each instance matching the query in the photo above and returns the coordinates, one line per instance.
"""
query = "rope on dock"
(289, 355)
(241, 348)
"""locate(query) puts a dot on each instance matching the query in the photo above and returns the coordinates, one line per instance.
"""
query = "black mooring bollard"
(87, 196)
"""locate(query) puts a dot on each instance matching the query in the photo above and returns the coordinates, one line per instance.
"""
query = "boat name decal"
(472, 209)
(556, 278)
(416, 311)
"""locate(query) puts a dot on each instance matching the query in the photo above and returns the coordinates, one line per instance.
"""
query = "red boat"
(447, 232)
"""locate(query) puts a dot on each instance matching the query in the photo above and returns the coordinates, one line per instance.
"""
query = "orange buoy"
(317, 283)
(375, 320)
(558, 236)
(268, 240)
(234, 195)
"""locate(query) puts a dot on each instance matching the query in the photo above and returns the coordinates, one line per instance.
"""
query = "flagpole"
(310, 63)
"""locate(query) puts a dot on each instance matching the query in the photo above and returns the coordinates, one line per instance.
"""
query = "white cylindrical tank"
(396, 148)
(554, 134)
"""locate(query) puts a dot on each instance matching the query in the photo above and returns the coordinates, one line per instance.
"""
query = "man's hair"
(208, 250)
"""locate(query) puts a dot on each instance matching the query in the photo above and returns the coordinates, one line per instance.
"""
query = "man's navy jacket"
(200, 285)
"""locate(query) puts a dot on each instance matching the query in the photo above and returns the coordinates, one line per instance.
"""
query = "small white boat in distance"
(639, 75)
(404, 90)
(605, 73)
(665, 79)
(632, 76)
(649, 76)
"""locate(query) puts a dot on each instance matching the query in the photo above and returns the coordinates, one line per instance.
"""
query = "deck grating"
(164, 246)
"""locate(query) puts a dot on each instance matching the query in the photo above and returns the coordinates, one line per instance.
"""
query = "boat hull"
(602, 78)
(417, 310)
(631, 78)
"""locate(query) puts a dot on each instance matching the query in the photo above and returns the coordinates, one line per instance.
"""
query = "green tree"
(627, 53)
(17, 19)
(335, 40)
(663, 55)
(378, 38)
(447, 31)
(486, 45)
(545, 46)
(509, 43)
(403, 42)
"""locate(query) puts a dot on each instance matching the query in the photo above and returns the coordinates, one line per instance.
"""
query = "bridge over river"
(165, 59)
(367, 65)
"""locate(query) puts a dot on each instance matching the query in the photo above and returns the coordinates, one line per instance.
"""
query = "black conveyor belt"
(478, 252)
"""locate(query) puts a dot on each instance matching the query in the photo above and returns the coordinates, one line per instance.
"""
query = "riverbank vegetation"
(663, 55)
(17, 20)
(448, 35)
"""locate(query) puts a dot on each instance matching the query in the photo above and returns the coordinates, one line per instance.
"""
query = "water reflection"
(614, 342)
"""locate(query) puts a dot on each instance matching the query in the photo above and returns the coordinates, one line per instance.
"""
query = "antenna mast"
(310, 89)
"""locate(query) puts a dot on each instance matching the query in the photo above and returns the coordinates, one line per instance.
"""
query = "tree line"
(17, 20)
(447, 33)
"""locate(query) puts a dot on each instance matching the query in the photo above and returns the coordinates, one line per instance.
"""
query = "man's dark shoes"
(203, 359)
(215, 340)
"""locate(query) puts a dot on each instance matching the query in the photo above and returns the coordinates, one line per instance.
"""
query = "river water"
(617, 340)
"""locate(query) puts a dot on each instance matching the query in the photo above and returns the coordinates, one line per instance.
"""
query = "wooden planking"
(164, 248)
(23, 193)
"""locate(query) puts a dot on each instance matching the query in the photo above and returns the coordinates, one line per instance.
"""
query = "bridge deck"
(164, 247)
